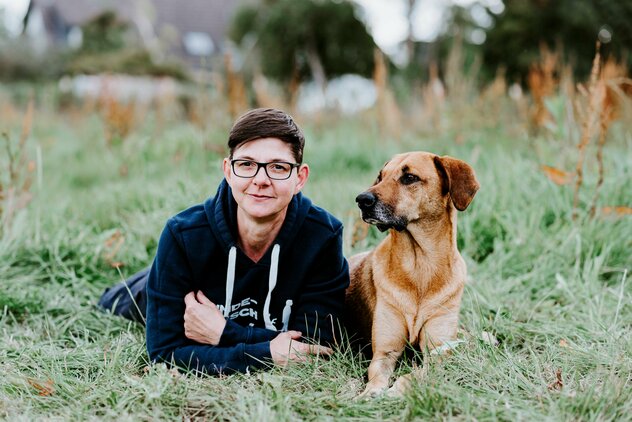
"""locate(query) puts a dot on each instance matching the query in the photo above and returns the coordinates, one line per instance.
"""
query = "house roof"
(77, 12)
(208, 16)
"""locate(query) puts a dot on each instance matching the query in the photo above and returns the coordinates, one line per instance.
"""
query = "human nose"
(261, 176)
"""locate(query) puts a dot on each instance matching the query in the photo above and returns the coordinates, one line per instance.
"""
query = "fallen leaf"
(557, 176)
(616, 211)
(43, 389)
(558, 384)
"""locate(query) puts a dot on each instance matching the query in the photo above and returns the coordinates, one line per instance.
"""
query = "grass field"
(552, 291)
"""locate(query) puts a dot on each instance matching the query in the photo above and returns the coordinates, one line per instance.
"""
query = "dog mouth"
(383, 219)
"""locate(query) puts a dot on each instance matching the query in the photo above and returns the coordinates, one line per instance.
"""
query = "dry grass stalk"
(237, 102)
(612, 74)
(293, 89)
(605, 117)
(492, 100)
(433, 95)
(265, 98)
(542, 84)
(15, 192)
(389, 117)
(595, 94)
(112, 246)
(118, 118)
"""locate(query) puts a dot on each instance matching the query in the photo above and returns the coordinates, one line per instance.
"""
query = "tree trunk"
(316, 67)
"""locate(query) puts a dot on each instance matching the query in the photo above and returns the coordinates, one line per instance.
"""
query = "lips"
(259, 196)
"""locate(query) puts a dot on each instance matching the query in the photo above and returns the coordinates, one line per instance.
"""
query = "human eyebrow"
(273, 160)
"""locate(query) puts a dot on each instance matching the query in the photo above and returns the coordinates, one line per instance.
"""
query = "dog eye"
(408, 179)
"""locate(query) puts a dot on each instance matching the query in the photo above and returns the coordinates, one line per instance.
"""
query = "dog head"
(417, 186)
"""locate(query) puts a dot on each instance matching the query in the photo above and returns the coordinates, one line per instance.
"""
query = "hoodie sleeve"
(319, 311)
(169, 281)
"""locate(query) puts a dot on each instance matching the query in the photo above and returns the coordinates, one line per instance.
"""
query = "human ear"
(226, 168)
(303, 174)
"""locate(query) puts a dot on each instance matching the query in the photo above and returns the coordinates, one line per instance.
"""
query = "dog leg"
(403, 384)
(437, 339)
(389, 340)
(438, 331)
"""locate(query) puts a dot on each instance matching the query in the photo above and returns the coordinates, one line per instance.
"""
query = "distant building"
(191, 30)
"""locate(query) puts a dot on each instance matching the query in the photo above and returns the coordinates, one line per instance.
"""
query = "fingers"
(311, 349)
(293, 334)
(189, 299)
(203, 299)
(321, 350)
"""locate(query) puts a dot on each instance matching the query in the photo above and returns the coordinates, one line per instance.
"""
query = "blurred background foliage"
(303, 39)
(569, 26)
(293, 41)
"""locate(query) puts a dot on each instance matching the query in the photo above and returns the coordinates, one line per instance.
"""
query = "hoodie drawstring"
(272, 280)
(230, 279)
(274, 268)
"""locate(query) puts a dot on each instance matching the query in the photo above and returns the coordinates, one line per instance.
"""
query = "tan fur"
(408, 289)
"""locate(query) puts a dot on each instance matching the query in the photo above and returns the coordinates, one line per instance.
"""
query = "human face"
(259, 197)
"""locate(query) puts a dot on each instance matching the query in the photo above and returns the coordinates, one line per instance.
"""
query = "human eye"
(279, 168)
(245, 164)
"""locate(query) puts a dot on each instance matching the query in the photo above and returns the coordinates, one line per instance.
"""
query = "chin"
(261, 211)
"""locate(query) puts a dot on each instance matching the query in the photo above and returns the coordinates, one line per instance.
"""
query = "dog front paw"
(400, 387)
(371, 392)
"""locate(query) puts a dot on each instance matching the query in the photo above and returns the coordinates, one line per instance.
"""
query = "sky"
(387, 19)
(14, 10)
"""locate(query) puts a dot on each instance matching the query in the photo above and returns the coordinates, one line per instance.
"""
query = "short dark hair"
(267, 123)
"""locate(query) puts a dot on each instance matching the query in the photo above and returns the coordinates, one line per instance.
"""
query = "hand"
(203, 322)
(285, 348)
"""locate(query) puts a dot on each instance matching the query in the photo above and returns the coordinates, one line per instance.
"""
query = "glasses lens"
(278, 170)
(245, 168)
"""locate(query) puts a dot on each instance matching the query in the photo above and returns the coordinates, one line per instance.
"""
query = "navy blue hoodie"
(298, 284)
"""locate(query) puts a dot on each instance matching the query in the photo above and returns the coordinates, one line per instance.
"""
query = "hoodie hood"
(221, 212)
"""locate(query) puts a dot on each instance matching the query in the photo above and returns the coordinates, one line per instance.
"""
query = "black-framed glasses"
(275, 170)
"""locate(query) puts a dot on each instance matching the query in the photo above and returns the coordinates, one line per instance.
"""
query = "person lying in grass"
(255, 275)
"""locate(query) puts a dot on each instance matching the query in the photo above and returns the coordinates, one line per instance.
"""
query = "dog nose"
(366, 200)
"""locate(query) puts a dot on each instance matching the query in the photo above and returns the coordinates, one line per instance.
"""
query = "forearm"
(234, 334)
(214, 360)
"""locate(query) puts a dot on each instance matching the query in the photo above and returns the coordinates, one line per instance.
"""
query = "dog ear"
(459, 180)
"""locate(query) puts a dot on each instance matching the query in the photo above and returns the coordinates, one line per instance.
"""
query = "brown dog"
(408, 289)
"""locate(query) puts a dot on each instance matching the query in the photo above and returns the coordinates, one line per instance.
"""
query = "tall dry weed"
(612, 78)
(388, 113)
(15, 189)
(263, 92)
(237, 101)
(595, 94)
(542, 84)
(118, 118)
(434, 97)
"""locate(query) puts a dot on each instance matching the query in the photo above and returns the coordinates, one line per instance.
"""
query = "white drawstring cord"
(230, 279)
(274, 266)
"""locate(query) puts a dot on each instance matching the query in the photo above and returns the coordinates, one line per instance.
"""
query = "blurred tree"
(299, 38)
(570, 25)
(109, 45)
(103, 33)
(3, 30)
